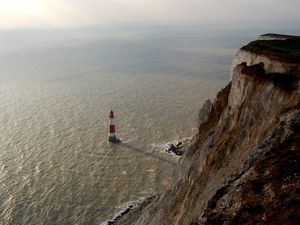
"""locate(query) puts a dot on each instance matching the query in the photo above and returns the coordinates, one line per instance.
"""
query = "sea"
(57, 87)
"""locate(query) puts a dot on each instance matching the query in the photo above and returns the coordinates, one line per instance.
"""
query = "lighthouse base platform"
(113, 139)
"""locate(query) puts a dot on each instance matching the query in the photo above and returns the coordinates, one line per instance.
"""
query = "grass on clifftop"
(284, 50)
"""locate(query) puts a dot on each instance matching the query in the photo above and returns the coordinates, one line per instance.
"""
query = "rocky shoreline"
(129, 212)
(242, 167)
(179, 147)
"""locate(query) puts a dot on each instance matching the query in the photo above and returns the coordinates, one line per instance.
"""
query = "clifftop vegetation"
(280, 47)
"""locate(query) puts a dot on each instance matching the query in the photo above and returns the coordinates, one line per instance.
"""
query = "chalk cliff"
(244, 164)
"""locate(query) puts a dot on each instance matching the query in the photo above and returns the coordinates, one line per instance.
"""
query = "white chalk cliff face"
(244, 167)
(271, 65)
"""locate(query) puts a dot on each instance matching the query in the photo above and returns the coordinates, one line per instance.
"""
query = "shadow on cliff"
(143, 152)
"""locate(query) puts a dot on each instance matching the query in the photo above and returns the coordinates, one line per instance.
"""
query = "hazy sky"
(40, 13)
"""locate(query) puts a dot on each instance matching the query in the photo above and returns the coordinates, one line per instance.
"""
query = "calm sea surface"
(56, 90)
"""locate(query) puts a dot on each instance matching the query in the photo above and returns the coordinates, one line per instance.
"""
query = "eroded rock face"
(244, 167)
(270, 64)
(276, 53)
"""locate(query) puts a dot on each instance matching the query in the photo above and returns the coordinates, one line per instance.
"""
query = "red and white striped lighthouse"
(112, 135)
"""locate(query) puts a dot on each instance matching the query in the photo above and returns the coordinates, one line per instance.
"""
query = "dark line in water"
(148, 154)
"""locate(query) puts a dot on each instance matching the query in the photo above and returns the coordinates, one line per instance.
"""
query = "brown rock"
(245, 166)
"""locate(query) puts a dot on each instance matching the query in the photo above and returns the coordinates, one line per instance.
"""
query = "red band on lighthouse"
(112, 129)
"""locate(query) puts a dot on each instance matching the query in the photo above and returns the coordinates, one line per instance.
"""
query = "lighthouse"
(112, 136)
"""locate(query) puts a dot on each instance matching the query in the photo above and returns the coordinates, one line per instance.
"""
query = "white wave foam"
(123, 208)
(165, 145)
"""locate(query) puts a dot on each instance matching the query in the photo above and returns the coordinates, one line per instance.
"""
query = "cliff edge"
(244, 166)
